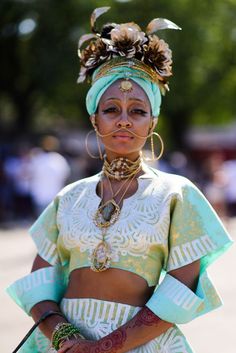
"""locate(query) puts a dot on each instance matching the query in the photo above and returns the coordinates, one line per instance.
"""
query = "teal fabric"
(196, 233)
(176, 303)
(44, 284)
(101, 85)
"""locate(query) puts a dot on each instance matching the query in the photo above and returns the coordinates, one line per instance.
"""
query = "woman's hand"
(77, 346)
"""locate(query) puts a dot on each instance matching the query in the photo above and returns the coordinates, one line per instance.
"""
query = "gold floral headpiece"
(127, 41)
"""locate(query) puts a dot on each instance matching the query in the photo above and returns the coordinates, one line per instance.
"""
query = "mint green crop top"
(165, 225)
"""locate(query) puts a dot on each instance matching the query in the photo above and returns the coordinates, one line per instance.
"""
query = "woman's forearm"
(144, 327)
(48, 325)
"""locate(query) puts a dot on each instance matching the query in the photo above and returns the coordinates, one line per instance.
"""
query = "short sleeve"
(44, 233)
(196, 232)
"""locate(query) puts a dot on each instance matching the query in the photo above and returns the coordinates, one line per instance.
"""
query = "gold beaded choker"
(121, 168)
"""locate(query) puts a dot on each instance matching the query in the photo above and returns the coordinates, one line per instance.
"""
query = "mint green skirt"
(97, 318)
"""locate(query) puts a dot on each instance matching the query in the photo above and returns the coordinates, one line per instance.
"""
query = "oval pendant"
(101, 257)
(107, 214)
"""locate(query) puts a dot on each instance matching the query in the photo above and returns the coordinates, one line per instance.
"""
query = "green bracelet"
(63, 332)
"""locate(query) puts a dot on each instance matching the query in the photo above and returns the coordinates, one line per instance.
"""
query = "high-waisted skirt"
(97, 318)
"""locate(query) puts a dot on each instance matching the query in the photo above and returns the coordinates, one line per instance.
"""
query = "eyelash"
(109, 110)
(140, 111)
(113, 110)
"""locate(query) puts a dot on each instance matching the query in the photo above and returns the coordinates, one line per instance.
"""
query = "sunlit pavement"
(213, 333)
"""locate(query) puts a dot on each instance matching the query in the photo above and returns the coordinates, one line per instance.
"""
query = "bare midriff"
(112, 285)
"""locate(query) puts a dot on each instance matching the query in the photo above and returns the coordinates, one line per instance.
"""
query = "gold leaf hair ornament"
(126, 41)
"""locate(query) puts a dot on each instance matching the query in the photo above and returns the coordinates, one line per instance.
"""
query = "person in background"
(229, 168)
(17, 169)
(49, 172)
(215, 182)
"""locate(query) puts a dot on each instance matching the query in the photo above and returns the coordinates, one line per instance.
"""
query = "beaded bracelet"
(63, 332)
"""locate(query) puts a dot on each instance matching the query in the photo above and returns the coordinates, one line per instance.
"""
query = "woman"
(104, 241)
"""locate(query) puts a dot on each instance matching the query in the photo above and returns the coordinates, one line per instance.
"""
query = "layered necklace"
(108, 212)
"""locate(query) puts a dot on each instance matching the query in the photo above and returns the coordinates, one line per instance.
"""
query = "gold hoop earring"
(154, 158)
(98, 144)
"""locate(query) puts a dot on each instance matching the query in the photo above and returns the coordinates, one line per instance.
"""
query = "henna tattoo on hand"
(115, 341)
(110, 343)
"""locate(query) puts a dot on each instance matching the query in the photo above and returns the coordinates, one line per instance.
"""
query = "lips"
(123, 135)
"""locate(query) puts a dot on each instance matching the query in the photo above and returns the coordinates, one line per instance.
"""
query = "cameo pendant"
(101, 257)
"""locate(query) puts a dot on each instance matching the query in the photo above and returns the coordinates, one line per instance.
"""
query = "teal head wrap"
(101, 84)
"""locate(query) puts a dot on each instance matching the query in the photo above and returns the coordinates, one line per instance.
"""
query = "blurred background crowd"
(43, 121)
(31, 174)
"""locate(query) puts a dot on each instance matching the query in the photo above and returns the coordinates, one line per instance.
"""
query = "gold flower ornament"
(126, 41)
